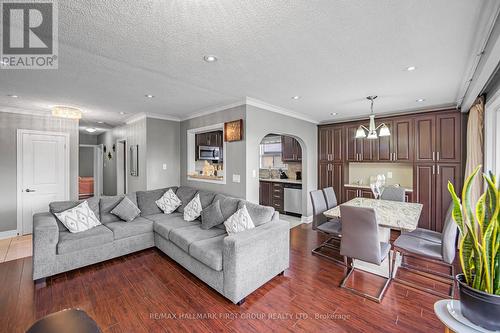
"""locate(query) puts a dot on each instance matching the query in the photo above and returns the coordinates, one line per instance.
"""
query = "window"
(270, 153)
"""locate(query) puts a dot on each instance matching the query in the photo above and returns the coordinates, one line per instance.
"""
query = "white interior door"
(42, 174)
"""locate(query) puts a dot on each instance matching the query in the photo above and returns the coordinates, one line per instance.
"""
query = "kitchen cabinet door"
(324, 144)
(448, 130)
(403, 140)
(350, 193)
(368, 149)
(265, 195)
(325, 175)
(287, 149)
(366, 194)
(384, 146)
(353, 145)
(445, 173)
(424, 189)
(425, 138)
(338, 180)
(337, 144)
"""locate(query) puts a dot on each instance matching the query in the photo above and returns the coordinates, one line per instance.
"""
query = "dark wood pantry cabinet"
(430, 142)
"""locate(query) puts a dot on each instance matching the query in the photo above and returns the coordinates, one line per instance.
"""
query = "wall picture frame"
(233, 130)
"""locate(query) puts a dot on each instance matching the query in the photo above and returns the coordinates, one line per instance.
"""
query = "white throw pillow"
(239, 221)
(168, 202)
(193, 209)
(79, 218)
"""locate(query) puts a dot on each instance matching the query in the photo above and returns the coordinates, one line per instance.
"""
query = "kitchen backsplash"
(293, 167)
(401, 174)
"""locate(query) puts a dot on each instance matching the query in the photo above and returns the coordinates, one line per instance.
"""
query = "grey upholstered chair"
(360, 241)
(331, 198)
(437, 248)
(393, 193)
(321, 223)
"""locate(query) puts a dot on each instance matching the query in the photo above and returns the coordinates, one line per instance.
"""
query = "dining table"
(395, 215)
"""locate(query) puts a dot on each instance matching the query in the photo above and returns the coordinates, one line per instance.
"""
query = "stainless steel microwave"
(209, 153)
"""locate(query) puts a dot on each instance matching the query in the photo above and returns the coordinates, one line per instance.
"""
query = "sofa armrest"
(253, 257)
(45, 239)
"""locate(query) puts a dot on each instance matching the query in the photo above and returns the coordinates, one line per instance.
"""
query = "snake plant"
(479, 226)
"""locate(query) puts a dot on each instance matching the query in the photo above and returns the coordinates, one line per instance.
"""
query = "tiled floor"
(15, 248)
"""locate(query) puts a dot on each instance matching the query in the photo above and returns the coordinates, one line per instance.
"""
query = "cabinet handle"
(433, 155)
(437, 157)
(433, 170)
(438, 169)
(395, 156)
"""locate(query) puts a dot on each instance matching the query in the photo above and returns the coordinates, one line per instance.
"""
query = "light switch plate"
(236, 178)
(164, 166)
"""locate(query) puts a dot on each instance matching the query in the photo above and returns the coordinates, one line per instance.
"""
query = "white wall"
(259, 123)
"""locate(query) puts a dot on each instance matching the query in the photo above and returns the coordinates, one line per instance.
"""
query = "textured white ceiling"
(332, 53)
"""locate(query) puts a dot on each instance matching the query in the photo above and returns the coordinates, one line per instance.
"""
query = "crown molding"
(39, 113)
(142, 115)
(277, 109)
(210, 110)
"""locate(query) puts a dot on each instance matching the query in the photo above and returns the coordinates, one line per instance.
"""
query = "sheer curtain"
(475, 130)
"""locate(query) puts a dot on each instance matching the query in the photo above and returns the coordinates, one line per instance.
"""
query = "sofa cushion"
(79, 218)
(123, 229)
(186, 194)
(61, 206)
(164, 223)
(126, 210)
(108, 203)
(146, 200)
(71, 242)
(228, 207)
(209, 251)
(239, 221)
(259, 214)
(206, 198)
(193, 209)
(183, 237)
(211, 216)
(168, 202)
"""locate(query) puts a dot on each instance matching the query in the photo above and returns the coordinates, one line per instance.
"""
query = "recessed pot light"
(91, 129)
(149, 96)
(122, 113)
(100, 122)
(296, 97)
(411, 68)
(13, 96)
(420, 100)
(210, 58)
(333, 113)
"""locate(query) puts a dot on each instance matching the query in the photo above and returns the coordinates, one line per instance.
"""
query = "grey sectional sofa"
(233, 265)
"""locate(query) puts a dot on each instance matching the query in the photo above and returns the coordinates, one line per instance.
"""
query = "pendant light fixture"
(371, 132)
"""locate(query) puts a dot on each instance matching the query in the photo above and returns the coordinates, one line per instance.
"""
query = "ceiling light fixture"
(372, 130)
(66, 112)
(296, 97)
(149, 96)
(210, 58)
(91, 129)
(13, 96)
(420, 100)
(411, 68)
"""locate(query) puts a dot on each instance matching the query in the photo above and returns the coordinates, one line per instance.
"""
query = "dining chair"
(432, 235)
(428, 248)
(331, 198)
(393, 193)
(360, 240)
(330, 227)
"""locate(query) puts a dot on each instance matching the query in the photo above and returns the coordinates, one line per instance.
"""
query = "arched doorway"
(281, 176)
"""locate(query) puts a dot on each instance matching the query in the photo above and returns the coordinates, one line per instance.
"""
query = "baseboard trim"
(8, 234)
(306, 219)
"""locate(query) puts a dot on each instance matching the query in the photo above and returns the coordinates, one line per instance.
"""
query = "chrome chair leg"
(378, 298)
(327, 244)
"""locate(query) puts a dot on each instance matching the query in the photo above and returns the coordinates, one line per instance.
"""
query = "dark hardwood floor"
(149, 292)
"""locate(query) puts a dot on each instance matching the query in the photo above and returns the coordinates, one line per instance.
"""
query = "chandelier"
(371, 132)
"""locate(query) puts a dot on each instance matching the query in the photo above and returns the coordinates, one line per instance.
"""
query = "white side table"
(452, 325)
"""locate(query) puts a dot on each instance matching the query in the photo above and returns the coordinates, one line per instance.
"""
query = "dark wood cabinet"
(332, 175)
(402, 140)
(425, 138)
(424, 186)
(448, 140)
(384, 145)
(272, 194)
(445, 173)
(213, 139)
(290, 149)
(356, 192)
(354, 147)
(331, 144)
(350, 193)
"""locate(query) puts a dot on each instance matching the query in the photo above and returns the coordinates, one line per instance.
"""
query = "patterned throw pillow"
(239, 221)
(79, 218)
(126, 210)
(168, 202)
(193, 209)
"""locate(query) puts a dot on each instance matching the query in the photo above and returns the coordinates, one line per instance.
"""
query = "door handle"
(29, 190)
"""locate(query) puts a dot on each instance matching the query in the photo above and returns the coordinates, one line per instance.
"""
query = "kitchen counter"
(277, 180)
(196, 176)
(367, 187)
